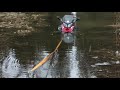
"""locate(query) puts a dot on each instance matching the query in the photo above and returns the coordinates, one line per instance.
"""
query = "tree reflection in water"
(46, 70)
(10, 66)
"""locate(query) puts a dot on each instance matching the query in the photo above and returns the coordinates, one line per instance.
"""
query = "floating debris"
(117, 62)
(117, 53)
(100, 70)
(101, 64)
(104, 63)
(93, 65)
(93, 77)
(95, 57)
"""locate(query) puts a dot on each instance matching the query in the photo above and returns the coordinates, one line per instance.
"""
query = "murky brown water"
(91, 55)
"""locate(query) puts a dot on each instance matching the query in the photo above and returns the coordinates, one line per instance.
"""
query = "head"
(74, 14)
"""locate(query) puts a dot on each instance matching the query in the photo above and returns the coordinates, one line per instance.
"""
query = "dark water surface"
(91, 55)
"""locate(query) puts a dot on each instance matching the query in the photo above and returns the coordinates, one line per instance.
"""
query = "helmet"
(74, 13)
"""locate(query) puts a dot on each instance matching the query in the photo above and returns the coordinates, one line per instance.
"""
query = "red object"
(67, 30)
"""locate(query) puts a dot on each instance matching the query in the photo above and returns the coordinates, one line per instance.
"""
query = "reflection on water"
(41, 53)
(45, 71)
(10, 66)
(53, 64)
(73, 63)
(68, 38)
(79, 58)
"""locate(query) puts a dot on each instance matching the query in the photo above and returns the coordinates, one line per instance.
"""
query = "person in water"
(74, 14)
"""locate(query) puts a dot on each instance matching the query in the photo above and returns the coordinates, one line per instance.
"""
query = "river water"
(90, 55)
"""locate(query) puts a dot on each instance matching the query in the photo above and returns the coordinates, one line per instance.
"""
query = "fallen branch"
(114, 26)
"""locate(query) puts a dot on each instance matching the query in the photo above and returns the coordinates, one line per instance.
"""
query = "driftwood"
(114, 26)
